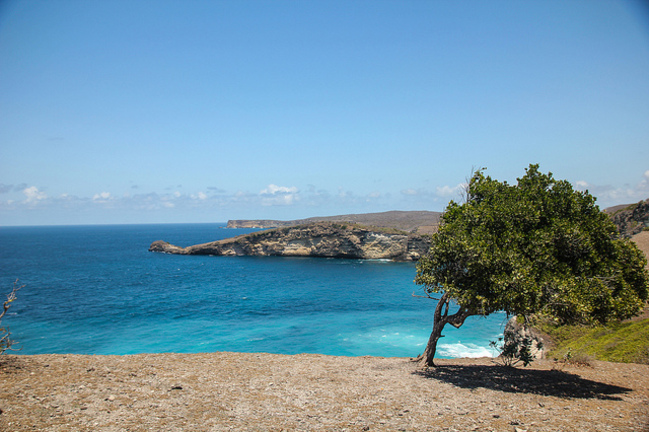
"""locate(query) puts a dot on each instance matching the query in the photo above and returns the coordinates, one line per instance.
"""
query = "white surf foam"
(459, 349)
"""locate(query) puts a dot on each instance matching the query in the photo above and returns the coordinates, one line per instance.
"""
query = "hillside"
(421, 222)
(630, 219)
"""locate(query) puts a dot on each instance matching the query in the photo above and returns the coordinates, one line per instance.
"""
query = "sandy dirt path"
(264, 392)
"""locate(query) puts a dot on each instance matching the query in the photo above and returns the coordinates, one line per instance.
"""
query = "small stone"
(110, 398)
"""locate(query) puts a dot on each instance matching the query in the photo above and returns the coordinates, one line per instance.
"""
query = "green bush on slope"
(626, 342)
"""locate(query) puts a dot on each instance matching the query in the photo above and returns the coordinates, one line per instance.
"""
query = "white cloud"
(447, 191)
(274, 189)
(410, 192)
(275, 195)
(33, 194)
(644, 183)
(608, 195)
(101, 196)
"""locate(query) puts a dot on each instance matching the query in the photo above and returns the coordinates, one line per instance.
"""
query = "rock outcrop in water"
(321, 239)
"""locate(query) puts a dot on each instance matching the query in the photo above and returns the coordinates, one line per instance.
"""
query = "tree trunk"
(428, 357)
(441, 318)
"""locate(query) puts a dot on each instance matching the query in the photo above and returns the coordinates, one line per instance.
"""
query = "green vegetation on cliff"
(625, 342)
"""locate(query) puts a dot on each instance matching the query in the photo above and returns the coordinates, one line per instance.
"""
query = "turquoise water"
(97, 290)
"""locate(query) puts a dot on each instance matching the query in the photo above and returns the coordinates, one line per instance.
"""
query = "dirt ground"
(642, 240)
(265, 392)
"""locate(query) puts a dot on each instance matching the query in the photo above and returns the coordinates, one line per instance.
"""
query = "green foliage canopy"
(537, 247)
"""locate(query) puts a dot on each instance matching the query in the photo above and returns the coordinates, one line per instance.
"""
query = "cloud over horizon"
(272, 201)
(608, 195)
(274, 195)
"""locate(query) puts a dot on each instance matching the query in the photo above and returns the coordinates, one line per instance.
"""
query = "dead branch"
(427, 296)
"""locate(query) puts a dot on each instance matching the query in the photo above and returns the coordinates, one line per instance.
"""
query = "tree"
(5, 336)
(537, 247)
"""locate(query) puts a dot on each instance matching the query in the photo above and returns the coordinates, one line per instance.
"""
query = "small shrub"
(578, 359)
(514, 350)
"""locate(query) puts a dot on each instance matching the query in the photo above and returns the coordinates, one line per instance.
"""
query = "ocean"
(97, 290)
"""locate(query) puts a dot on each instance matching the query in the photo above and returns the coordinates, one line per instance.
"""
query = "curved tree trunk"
(441, 318)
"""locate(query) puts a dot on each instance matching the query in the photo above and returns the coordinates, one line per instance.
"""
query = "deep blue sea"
(97, 290)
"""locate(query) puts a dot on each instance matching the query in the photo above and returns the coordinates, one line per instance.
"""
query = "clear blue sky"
(204, 111)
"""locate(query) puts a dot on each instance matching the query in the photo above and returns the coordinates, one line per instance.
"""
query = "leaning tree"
(537, 247)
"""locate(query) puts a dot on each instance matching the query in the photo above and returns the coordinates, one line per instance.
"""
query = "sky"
(163, 111)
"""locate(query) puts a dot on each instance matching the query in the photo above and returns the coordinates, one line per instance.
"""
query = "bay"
(97, 290)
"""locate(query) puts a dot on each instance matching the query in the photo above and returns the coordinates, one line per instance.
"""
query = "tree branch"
(10, 298)
(458, 318)
(426, 296)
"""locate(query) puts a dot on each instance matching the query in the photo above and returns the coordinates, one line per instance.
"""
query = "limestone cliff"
(320, 239)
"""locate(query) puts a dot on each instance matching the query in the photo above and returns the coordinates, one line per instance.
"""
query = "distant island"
(420, 222)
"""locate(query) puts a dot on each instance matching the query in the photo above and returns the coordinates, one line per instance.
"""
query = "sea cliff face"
(322, 239)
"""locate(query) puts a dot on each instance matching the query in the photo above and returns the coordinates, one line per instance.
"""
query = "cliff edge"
(319, 239)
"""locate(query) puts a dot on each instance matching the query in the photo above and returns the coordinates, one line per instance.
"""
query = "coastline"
(243, 391)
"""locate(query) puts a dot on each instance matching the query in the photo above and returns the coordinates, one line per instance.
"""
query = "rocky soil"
(264, 392)
(642, 240)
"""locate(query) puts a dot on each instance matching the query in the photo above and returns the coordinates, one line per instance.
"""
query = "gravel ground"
(265, 392)
(642, 240)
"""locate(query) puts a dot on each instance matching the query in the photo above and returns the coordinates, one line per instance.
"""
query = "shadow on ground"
(509, 379)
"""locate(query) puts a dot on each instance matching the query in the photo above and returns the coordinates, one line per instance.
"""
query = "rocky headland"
(318, 239)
